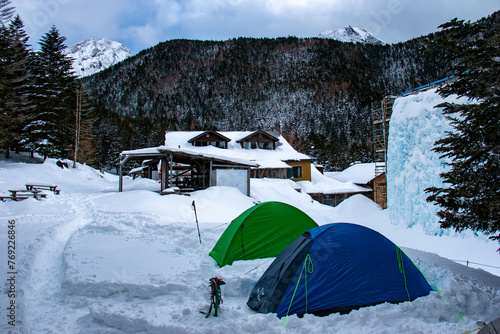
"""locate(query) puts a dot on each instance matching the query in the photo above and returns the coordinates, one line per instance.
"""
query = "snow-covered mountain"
(91, 56)
(351, 34)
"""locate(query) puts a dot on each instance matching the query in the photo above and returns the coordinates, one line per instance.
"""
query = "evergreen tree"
(50, 132)
(6, 12)
(470, 198)
(15, 82)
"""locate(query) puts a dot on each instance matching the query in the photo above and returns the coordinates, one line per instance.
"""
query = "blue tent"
(337, 268)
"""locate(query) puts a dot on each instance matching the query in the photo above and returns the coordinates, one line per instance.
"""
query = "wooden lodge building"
(195, 160)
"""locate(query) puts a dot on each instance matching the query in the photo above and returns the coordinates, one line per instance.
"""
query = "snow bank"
(290, 192)
(220, 204)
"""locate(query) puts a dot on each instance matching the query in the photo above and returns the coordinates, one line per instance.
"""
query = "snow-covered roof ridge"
(265, 158)
(353, 35)
(209, 154)
(360, 173)
(325, 185)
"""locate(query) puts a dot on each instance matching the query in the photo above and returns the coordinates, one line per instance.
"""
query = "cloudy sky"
(140, 24)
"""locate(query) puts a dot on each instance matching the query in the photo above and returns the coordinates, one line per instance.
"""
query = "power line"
(479, 264)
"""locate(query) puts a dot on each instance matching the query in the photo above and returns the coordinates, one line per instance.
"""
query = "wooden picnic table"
(27, 193)
(43, 187)
(12, 198)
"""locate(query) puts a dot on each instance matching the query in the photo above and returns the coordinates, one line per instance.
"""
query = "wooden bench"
(43, 187)
(12, 198)
(37, 194)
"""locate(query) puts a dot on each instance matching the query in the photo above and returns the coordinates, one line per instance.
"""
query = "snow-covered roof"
(136, 170)
(143, 151)
(207, 154)
(324, 185)
(264, 158)
(358, 173)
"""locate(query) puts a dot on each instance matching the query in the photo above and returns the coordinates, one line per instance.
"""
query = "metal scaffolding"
(381, 114)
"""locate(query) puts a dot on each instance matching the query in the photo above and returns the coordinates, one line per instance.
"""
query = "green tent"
(263, 230)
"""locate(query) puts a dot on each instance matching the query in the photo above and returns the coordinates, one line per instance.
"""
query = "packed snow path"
(44, 300)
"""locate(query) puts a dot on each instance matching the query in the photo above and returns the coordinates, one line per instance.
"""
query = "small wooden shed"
(189, 171)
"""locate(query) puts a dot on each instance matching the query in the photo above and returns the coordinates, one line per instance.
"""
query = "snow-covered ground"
(92, 260)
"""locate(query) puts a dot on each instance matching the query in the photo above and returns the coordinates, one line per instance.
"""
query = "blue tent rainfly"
(337, 268)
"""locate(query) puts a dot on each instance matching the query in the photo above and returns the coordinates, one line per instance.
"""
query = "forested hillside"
(317, 91)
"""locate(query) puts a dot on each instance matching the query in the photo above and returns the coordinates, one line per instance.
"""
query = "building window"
(219, 144)
(295, 172)
(265, 145)
(249, 145)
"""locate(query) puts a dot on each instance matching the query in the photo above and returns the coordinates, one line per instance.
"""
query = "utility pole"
(78, 116)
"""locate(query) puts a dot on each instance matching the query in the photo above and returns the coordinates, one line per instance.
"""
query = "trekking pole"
(196, 216)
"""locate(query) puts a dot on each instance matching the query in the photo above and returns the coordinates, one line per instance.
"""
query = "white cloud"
(168, 12)
(146, 36)
(280, 7)
(143, 23)
(74, 18)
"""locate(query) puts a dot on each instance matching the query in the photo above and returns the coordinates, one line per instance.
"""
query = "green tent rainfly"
(261, 231)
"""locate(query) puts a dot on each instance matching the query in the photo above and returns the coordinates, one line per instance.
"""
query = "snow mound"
(357, 207)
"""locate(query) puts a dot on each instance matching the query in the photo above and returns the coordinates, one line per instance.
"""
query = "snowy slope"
(91, 56)
(92, 260)
(352, 35)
